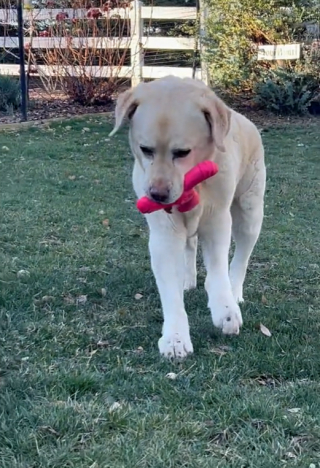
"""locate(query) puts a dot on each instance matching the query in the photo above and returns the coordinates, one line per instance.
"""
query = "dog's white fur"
(173, 113)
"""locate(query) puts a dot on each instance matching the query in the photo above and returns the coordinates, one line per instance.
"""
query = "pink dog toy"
(190, 197)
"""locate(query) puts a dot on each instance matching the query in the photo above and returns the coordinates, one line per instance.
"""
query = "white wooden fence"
(136, 42)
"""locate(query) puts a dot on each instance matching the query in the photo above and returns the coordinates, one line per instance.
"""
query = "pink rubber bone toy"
(190, 197)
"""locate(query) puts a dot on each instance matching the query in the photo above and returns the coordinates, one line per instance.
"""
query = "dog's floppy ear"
(218, 116)
(125, 107)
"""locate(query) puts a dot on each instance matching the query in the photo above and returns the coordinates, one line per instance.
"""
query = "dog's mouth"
(160, 202)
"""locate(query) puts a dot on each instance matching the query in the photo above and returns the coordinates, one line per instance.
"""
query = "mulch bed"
(57, 105)
(42, 107)
(244, 104)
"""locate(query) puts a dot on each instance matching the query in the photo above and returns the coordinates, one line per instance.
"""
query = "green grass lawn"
(81, 381)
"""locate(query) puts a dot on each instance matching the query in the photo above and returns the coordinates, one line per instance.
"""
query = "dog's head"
(174, 124)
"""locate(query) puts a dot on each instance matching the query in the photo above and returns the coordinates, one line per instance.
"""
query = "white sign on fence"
(279, 52)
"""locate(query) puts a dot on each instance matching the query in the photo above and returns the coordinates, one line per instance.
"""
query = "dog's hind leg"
(247, 217)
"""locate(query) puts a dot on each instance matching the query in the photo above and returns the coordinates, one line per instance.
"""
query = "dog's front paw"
(227, 316)
(175, 345)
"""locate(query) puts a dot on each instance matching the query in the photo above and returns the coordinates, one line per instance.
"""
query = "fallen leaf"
(225, 348)
(50, 429)
(221, 350)
(263, 299)
(103, 344)
(23, 274)
(122, 311)
(265, 330)
(294, 410)
(114, 407)
(209, 423)
(218, 351)
(105, 222)
(103, 292)
(220, 438)
(291, 455)
(43, 300)
(264, 380)
(69, 299)
(298, 441)
(138, 296)
(82, 299)
(171, 376)
(258, 424)
(47, 298)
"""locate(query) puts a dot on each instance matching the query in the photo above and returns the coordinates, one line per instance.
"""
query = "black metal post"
(197, 37)
(23, 80)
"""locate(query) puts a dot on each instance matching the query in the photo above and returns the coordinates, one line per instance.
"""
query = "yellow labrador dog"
(174, 124)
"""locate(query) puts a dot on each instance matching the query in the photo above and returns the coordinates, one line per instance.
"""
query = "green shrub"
(10, 95)
(235, 29)
(286, 91)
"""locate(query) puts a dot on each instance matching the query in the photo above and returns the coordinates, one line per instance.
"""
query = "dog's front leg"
(215, 235)
(167, 244)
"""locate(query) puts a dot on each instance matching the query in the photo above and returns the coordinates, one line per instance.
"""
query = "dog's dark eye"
(180, 153)
(147, 151)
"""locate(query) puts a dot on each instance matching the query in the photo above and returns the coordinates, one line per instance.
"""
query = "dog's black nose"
(159, 195)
